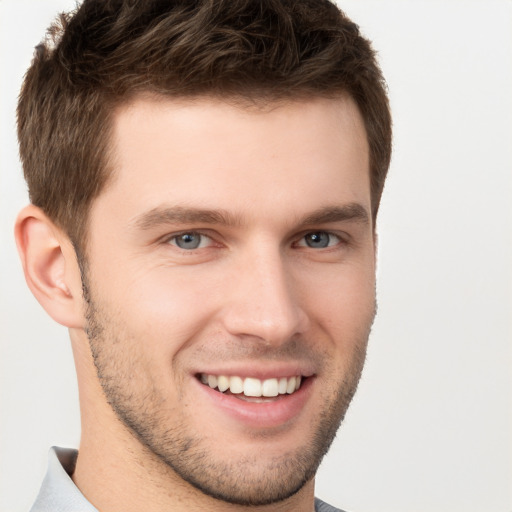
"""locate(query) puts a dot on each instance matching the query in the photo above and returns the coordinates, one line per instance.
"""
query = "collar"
(58, 493)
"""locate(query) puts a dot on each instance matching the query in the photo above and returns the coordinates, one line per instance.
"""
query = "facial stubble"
(142, 410)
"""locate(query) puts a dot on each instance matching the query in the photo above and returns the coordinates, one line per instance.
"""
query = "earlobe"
(50, 266)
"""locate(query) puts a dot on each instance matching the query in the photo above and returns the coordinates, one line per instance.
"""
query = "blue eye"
(190, 240)
(319, 240)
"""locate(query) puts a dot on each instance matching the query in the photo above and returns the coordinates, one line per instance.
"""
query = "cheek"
(167, 306)
(344, 292)
(341, 309)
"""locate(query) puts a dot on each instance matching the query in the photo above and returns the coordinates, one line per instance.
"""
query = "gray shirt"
(59, 494)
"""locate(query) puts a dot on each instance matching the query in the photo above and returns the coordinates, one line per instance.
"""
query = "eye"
(319, 240)
(190, 240)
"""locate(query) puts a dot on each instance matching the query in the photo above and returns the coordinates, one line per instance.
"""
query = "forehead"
(216, 154)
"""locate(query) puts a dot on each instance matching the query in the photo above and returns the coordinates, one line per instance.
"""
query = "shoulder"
(321, 506)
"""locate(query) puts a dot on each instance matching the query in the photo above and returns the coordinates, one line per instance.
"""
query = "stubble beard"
(236, 482)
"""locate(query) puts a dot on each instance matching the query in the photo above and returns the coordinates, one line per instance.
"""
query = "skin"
(254, 299)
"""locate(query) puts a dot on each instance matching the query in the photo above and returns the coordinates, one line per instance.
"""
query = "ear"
(50, 266)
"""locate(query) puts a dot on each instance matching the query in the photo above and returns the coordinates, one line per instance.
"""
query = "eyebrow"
(183, 215)
(353, 212)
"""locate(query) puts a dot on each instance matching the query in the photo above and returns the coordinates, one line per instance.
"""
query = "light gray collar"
(58, 493)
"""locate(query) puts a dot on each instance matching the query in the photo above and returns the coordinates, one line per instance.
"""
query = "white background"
(430, 428)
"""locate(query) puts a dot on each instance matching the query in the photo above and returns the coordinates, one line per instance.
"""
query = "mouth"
(268, 400)
(252, 389)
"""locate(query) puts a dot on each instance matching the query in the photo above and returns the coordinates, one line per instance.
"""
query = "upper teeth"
(251, 386)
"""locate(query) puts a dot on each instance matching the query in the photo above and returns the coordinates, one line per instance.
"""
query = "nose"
(263, 300)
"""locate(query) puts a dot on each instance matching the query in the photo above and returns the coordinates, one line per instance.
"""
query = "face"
(230, 274)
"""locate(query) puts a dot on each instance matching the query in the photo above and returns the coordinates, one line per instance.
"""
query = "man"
(205, 179)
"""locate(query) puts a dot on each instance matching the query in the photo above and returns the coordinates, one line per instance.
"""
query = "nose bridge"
(264, 301)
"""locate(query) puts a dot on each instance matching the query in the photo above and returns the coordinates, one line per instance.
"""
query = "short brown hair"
(107, 51)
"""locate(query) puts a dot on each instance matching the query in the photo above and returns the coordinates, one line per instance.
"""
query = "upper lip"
(260, 370)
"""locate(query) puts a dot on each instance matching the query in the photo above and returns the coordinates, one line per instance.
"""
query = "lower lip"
(278, 412)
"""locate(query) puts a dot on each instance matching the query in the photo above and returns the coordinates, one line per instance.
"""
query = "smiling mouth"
(251, 388)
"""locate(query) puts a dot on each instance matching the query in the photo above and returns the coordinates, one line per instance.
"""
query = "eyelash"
(300, 242)
(176, 236)
(329, 234)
